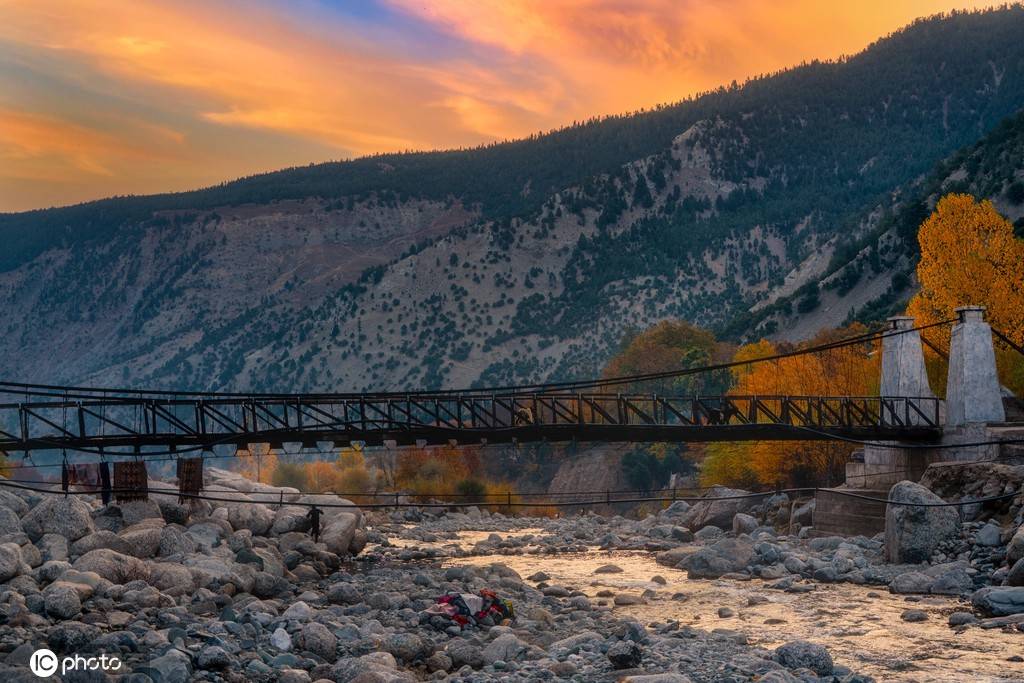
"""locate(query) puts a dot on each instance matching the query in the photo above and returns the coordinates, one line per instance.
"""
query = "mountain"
(528, 259)
(871, 274)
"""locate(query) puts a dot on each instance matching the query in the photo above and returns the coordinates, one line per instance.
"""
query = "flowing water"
(860, 626)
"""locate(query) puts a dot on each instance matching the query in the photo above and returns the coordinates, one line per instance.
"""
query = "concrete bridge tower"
(903, 370)
(973, 393)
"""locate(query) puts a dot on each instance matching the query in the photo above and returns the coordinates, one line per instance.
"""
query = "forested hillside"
(530, 259)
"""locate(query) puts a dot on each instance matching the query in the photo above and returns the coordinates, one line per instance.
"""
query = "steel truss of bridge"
(424, 418)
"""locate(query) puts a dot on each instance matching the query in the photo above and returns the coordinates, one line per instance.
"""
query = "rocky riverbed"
(716, 591)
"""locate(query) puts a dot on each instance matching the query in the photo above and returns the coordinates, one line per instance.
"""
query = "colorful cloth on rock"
(469, 609)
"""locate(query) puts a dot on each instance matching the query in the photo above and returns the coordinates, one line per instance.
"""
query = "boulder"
(255, 517)
(1015, 577)
(97, 540)
(464, 653)
(951, 580)
(999, 601)
(718, 512)
(726, 556)
(135, 511)
(506, 648)
(909, 583)
(408, 647)
(624, 655)
(68, 516)
(11, 564)
(10, 522)
(174, 541)
(13, 501)
(1015, 548)
(339, 531)
(988, 535)
(113, 566)
(800, 654)
(61, 601)
(172, 577)
(743, 523)
(319, 640)
(143, 541)
(53, 547)
(912, 533)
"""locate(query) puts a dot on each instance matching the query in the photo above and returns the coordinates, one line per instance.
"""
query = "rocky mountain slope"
(523, 260)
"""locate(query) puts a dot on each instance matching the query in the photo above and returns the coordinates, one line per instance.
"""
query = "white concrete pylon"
(903, 370)
(973, 393)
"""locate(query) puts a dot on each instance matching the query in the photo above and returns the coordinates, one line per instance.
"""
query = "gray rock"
(909, 583)
(1015, 577)
(376, 667)
(658, 678)
(213, 657)
(339, 532)
(988, 535)
(62, 601)
(344, 593)
(718, 512)
(10, 522)
(319, 640)
(961, 618)
(11, 563)
(173, 667)
(625, 655)
(100, 539)
(68, 516)
(53, 547)
(506, 648)
(726, 556)
(912, 534)
(708, 533)
(135, 511)
(174, 541)
(1015, 548)
(955, 581)
(168, 576)
(255, 517)
(743, 523)
(464, 653)
(281, 640)
(999, 601)
(142, 542)
(13, 501)
(113, 566)
(608, 569)
(914, 615)
(408, 647)
(800, 654)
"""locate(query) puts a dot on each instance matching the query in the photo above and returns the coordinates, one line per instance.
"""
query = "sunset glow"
(102, 98)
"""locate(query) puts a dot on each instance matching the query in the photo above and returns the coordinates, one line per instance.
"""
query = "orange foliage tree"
(969, 255)
(847, 371)
(669, 345)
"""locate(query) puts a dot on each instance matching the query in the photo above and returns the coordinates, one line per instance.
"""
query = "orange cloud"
(210, 88)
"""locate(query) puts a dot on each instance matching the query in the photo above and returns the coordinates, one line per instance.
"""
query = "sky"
(101, 97)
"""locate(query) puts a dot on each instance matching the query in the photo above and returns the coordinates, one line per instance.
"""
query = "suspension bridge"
(132, 421)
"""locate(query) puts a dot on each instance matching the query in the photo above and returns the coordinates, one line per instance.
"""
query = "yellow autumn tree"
(258, 463)
(970, 256)
(846, 371)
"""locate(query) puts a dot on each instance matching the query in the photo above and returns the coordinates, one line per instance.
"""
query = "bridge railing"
(149, 421)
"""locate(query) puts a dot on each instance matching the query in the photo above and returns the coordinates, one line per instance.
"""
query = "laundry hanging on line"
(93, 476)
(190, 478)
(131, 481)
